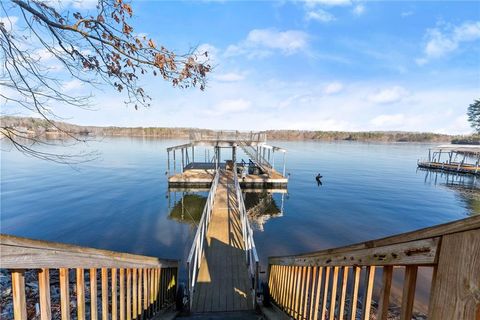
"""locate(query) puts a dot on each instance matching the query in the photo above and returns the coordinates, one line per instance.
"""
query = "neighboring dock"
(456, 158)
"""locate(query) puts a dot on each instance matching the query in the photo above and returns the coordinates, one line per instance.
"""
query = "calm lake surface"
(120, 201)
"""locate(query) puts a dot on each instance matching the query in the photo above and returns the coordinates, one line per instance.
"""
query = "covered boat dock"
(454, 158)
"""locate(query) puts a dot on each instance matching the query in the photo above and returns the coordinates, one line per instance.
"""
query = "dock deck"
(223, 283)
(201, 174)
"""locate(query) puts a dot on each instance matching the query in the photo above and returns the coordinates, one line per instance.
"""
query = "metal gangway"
(223, 263)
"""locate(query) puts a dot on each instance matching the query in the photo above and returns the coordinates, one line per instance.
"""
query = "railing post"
(457, 280)
(18, 292)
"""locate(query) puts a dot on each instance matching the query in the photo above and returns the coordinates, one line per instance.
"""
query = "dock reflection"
(466, 187)
(186, 205)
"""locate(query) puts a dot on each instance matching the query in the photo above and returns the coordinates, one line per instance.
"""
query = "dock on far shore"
(453, 158)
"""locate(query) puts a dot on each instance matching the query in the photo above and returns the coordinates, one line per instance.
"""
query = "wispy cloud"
(313, 3)
(319, 15)
(264, 42)
(230, 76)
(358, 10)
(9, 22)
(388, 95)
(333, 87)
(441, 41)
(72, 85)
(406, 13)
(229, 106)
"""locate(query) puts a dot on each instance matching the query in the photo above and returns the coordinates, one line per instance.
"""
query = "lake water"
(120, 201)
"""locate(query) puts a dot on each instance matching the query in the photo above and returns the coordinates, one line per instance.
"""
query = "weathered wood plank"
(128, 302)
(122, 293)
(307, 287)
(470, 223)
(93, 294)
(343, 294)
(139, 293)
(18, 295)
(26, 253)
(145, 291)
(312, 293)
(354, 294)
(408, 295)
(44, 294)
(317, 295)
(456, 292)
(325, 292)
(80, 282)
(333, 294)
(419, 252)
(382, 312)
(64, 294)
(134, 294)
(367, 296)
(104, 293)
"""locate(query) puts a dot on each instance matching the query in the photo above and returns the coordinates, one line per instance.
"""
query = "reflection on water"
(466, 186)
(261, 207)
(188, 207)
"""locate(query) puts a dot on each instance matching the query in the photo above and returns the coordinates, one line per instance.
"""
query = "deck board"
(223, 282)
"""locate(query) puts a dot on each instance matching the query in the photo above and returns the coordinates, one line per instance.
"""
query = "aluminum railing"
(251, 255)
(229, 135)
(196, 251)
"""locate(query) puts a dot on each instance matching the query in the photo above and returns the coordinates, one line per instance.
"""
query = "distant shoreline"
(40, 128)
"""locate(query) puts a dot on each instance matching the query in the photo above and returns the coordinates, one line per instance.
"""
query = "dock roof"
(458, 148)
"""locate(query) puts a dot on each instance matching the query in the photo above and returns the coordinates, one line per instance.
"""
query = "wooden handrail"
(452, 250)
(470, 223)
(23, 253)
(132, 286)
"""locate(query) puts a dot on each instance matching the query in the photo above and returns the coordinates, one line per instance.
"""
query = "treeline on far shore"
(42, 128)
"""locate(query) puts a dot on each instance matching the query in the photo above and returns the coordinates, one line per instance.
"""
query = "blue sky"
(312, 65)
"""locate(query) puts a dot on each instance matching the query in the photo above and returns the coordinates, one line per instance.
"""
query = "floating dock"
(258, 171)
(223, 283)
(455, 159)
(223, 265)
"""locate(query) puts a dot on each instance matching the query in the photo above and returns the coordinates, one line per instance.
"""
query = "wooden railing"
(131, 286)
(338, 283)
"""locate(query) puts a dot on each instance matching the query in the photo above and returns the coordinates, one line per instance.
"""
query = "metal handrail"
(251, 255)
(263, 163)
(196, 250)
(259, 137)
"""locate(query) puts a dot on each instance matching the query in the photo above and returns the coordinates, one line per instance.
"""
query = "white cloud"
(313, 3)
(230, 77)
(263, 42)
(406, 13)
(72, 85)
(229, 106)
(388, 120)
(9, 22)
(389, 95)
(319, 15)
(333, 87)
(358, 10)
(441, 41)
(43, 55)
(85, 4)
(212, 53)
